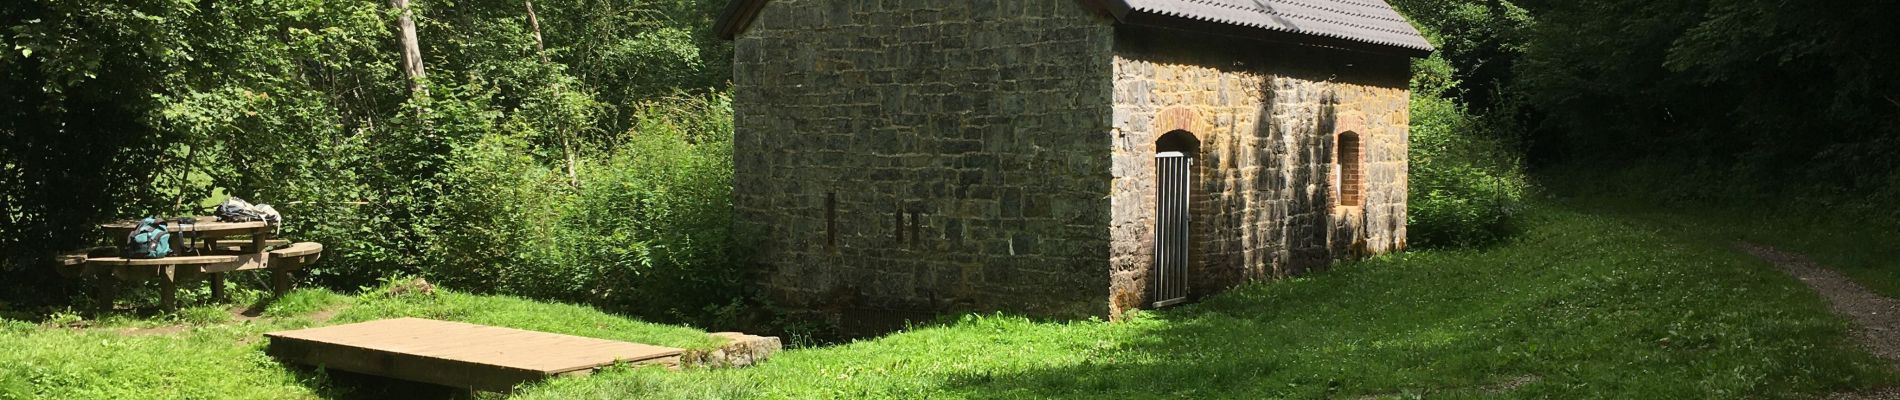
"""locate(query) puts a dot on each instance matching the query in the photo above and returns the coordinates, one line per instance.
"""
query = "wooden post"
(279, 282)
(107, 290)
(167, 288)
(217, 286)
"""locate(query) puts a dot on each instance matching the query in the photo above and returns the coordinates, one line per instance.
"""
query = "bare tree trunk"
(411, 48)
(540, 49)
(573, 176)
(184, 178)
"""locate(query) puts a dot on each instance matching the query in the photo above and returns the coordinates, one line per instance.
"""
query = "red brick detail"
(1350, 160)
(1176, 119)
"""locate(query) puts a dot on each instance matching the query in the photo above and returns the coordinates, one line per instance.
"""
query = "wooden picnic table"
(199, 250)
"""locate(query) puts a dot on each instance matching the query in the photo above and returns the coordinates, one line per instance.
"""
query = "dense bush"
(1792, 94)
(1467, 187)
(1467, 181)
(644, 228)
(119, 109)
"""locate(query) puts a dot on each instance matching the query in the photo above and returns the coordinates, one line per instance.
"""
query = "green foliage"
(1480, 41)
(1728, 98)
(1581, 305)
(1768, 94)
(1467, 183)
(1467, 187)
(120, 109)
(643, 228)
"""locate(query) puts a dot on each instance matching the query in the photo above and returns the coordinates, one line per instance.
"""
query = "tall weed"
(644, 226)
(1467, 186)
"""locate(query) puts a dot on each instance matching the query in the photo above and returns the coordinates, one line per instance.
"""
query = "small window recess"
(1349, 173)
(831, 221)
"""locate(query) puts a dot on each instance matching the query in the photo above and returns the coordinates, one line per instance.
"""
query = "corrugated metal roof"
(1329, 22)
(1364, 21)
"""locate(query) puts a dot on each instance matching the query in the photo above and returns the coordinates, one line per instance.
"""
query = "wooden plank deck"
(454, 354)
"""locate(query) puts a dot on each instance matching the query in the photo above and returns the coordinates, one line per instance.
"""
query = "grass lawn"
(207, 353)
(1582, 305)
(1853, 239)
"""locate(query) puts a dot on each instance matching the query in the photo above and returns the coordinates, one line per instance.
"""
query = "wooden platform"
(454, 354)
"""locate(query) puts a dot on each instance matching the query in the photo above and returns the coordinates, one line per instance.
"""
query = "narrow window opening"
(1350, 164)
(899, 226)
(831, 221)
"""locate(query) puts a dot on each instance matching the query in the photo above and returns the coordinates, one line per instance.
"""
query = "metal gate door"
(1172, 180)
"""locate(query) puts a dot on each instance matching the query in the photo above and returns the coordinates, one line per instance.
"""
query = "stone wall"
(1266, 117)
(926, 155)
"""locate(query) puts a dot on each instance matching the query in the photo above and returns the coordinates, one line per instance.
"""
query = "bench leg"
(279, 282)
(167, 292)
(107, 290)
(217, 286)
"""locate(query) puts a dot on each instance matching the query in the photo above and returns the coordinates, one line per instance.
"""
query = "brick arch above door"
(1178, 119)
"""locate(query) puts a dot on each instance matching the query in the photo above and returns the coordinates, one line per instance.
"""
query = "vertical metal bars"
(1172, 182)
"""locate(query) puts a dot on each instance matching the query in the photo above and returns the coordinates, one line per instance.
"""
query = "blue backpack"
(148, 240)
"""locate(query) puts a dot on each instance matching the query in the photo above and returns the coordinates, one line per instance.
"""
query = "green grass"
(1854, 240)
(212, 362)
(1855, 233)
(206, 353)
(1580, 306)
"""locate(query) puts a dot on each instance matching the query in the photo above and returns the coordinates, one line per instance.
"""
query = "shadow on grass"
(345, 385)
(1267, 342)
(1582, 304)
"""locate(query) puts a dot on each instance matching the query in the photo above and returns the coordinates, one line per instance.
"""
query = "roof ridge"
(1308, 17)
(1304, 4)
(1373, 22)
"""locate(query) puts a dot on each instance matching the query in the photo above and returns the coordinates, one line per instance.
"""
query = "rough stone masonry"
(931, 156)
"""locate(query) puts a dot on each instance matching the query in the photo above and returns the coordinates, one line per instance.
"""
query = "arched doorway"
(1174, 182)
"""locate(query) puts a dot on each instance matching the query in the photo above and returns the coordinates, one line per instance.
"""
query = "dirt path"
(1876, 318)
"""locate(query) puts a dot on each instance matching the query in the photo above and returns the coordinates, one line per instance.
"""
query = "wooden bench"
(73, 263)
(171, 270)
(167, 270)
(238, 246)
(299, 249)
(204, 247)
(167, 261)
(291, 258)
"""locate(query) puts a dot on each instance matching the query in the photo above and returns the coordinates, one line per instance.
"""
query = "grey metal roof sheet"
(1343, 22)
(1365, 21)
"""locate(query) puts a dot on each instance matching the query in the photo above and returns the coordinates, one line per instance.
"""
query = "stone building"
(1063, 157)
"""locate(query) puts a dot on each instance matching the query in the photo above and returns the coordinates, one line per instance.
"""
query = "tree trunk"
(540, 48)
(567, 140)
(411, 48)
